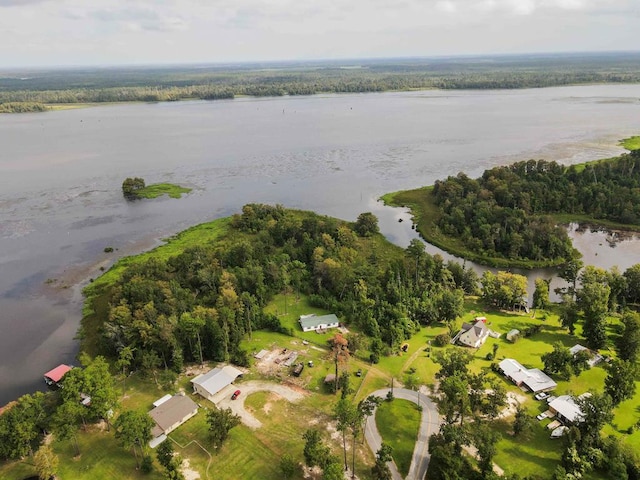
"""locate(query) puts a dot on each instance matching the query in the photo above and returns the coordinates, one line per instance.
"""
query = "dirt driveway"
(247, 388)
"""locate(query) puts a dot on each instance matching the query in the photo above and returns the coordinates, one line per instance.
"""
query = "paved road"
(429, 424)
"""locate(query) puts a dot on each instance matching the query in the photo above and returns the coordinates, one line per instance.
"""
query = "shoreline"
(52, 106)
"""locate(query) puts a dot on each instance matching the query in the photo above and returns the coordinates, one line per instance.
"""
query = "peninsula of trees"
(510, 216)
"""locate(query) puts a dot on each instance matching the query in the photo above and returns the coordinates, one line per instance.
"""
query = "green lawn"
(398, 422)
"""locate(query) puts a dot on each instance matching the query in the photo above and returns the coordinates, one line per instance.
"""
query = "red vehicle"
(235, 395)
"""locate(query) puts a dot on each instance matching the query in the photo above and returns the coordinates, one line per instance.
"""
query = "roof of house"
(57, 373)
(476, 331)
(535, 379)
(578, 348)
(216, 379)
(161, 400)
(594, 357)
(566, 406)
(315, 321)
(172, 411)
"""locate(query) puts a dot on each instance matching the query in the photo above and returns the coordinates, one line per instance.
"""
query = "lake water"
(61, 172)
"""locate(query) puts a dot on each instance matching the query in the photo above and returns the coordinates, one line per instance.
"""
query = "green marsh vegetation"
(135, 188)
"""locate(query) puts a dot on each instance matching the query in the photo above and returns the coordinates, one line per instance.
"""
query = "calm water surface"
(61, 172)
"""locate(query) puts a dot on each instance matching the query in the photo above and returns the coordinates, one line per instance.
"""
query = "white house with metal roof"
(533, 379)
(567, 409)
(312, 322)
(210, 383)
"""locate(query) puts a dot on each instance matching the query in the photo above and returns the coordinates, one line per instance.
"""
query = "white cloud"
(115, 31)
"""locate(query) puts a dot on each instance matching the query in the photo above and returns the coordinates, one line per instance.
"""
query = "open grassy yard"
(398, 422)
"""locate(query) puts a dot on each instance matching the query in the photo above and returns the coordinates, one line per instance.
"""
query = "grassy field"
(158, 189)
(398, 422)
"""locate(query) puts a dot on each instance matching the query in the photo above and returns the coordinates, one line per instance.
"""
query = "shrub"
(147, 464)
(108, 249)
(442, 340)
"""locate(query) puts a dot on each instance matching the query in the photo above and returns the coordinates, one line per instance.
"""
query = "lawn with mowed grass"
(398, 422)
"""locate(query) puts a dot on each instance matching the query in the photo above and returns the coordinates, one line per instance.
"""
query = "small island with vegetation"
(135, 188)
(512, 216)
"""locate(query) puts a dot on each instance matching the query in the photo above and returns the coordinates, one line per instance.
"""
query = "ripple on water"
(12, 229)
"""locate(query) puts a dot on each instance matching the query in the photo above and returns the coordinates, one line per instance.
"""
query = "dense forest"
(199, 304)
(276, 79)
(509, 211)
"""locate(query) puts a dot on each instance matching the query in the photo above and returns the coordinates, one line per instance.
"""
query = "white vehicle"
(541, 395)
(542, 416)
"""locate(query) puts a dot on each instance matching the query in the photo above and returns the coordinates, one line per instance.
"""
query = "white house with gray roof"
(533, 379)
(473, 335)
(312, 322)
(567, 409)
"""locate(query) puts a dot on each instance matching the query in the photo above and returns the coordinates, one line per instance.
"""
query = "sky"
(123, 32)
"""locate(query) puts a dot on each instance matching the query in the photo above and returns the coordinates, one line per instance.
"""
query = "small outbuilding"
(330, 378)
(210, 383)
(261, 354)
(594, 357)
(172, 413)
(312, 322)
(53, 377)
(513, 335)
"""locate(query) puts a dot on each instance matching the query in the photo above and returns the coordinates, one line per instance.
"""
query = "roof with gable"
(316, 321)
(171, 412)
(473, 334)
(567, 408)
(215, 380)
(57, 373)
(534, 379)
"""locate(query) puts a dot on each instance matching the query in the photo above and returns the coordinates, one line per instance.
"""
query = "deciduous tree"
(220, 422)
(133, 429)
(46, 462)
(620, 382)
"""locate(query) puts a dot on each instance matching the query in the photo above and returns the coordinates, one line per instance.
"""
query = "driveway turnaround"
(429, 424)
(246, 388)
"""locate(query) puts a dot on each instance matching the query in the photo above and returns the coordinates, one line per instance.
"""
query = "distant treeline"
(223, 82)
(22, 107)
(506, 212)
